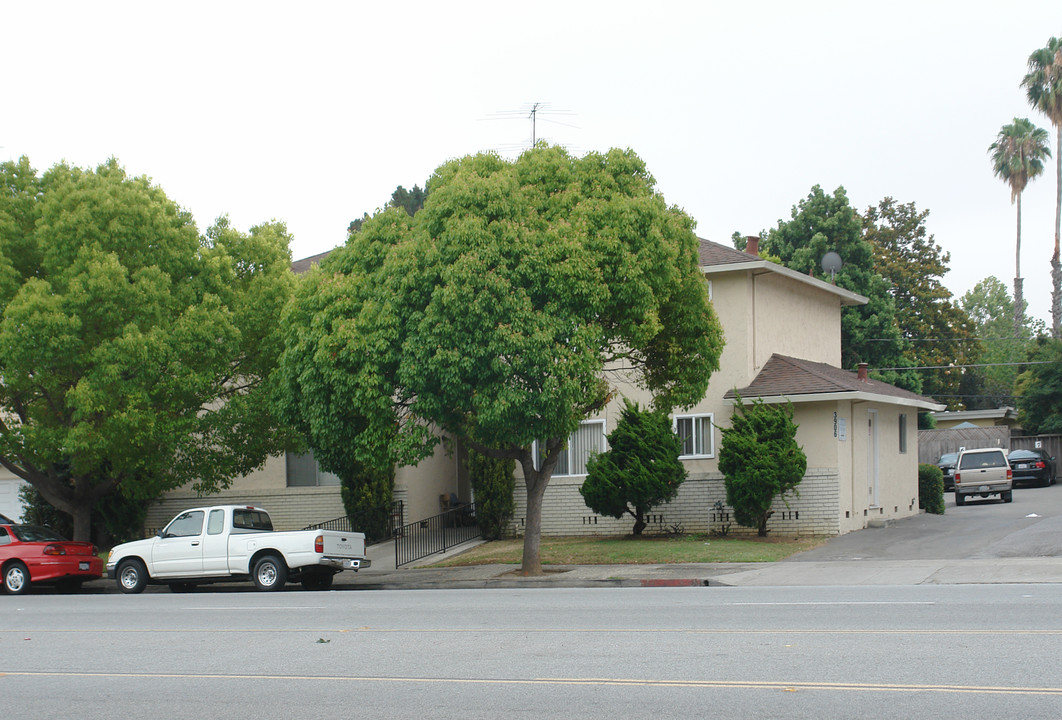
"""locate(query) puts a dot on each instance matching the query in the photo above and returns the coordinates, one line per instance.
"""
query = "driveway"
(1029, 527)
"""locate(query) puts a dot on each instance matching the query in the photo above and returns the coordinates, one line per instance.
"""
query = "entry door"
(872, 458)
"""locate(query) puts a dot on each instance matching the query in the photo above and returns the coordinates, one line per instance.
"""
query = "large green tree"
(938, 330)
(1043, 87)
(1039, 388)
(1017, 157)
(132, 350)
(639, 471)
(760, 460)
(821, 223)
(503, 313)
(991, 383)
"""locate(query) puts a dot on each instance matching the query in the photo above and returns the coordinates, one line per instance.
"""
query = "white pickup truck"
(211, 544)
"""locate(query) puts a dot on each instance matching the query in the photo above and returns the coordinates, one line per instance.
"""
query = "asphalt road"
(927, 651)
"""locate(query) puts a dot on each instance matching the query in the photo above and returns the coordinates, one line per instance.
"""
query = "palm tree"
(1043, 86)
(1017, 157)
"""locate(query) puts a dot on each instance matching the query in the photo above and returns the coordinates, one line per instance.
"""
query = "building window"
(903, 433)
(698, 438)
(588, 440)
(303, 471)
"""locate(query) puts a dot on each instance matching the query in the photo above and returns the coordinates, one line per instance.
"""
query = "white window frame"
(566, 452)
(903, 433)
(711, 434)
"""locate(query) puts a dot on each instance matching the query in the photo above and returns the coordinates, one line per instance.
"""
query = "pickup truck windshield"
(254, 520)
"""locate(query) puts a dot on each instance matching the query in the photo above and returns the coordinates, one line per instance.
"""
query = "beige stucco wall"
(794, 319)
(419, 487)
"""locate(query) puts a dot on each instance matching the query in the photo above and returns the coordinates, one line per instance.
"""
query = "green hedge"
(931, 489)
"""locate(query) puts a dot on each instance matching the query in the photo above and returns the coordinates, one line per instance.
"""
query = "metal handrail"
(436, 534)
(353, 523)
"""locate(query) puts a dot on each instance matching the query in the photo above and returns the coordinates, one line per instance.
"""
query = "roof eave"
(847, 296)
(853, 395)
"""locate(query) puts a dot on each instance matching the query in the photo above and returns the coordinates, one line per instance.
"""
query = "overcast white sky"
(312, 113)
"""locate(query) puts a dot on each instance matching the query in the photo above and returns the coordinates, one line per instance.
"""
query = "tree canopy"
(937, 329)
(1039, 388)
(132, 350)
(503, 313)
(409, 200)
(990, 307)
(869, 333)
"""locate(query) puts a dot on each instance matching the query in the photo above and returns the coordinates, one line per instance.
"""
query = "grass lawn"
(627, 549)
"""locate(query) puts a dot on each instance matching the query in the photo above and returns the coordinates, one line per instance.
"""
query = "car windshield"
(948, 459)
(36, 533)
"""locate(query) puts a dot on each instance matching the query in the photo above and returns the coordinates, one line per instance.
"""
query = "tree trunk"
(762, 530)
(536, 482)
(1056, 296)
(1019, 300)
(1056, 270)
(82, 514)
(639, 521)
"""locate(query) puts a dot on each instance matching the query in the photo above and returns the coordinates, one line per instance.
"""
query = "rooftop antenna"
(831, 263)
(534, 112)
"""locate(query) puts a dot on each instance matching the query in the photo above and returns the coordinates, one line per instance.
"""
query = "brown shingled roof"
(712, 253)
(785, 376)
(300, 266)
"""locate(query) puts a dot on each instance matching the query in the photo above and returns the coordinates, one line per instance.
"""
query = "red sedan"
(32, 554)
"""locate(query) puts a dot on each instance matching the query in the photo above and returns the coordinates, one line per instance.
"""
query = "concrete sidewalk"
(384, 575)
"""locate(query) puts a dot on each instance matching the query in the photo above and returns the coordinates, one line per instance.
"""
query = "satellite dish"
(831, 263)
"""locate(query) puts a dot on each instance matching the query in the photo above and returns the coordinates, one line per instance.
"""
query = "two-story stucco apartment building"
(783, 344)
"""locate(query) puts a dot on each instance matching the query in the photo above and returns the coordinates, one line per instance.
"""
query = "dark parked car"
(947, 467)
(1032, 467)
(31, 554)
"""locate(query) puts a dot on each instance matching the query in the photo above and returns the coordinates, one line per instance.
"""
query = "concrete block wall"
(290, 508)
(815, 511)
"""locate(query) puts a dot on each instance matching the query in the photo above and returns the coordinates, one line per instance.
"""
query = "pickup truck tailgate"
(337, 544)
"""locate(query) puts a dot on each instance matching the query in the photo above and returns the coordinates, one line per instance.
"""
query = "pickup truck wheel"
(1007, 496)
(960, 499)
(16, 578)
(317, 581)
(270, 573)
(132, 576)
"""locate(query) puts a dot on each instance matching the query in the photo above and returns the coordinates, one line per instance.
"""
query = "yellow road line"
(610, 682)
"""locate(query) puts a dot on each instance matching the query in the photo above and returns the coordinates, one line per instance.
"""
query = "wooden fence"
(934, 443)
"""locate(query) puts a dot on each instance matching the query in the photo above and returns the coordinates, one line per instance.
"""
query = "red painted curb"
(688, 582)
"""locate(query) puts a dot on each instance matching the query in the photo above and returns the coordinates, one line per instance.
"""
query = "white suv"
(983, 472)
